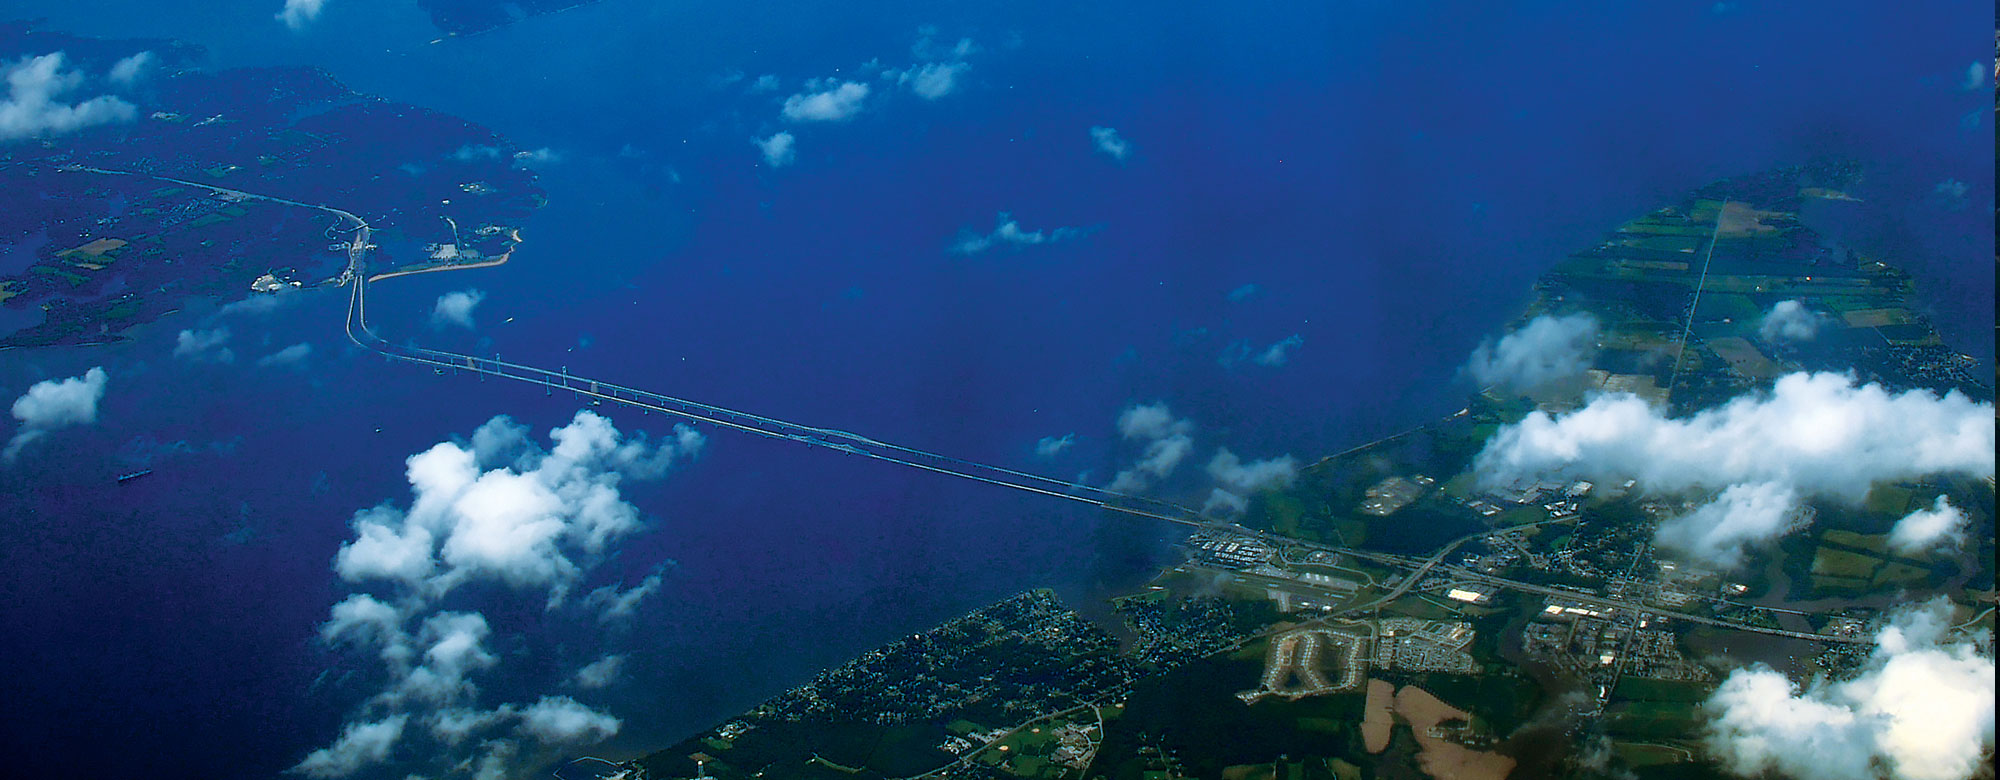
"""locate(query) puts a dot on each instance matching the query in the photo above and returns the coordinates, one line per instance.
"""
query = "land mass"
(119, 224)
(1387, 616)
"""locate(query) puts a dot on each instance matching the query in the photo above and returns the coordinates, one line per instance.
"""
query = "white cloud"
(600, 673)
(614, 604)
(1111, 143)
(1920, 709)
(777, 149)
(129, 69)
(1790, 321)
(1545, 350)
(1244, 293)
(364, 621)
(1238, 479)
(537, 157)
(289, 356)
(562, 720)
(498, 509)
(503, 510)
(1815, 435)
(1150, 421)
(201, 345)
(1975, 76)
(455, 725)
(1818, 431)
(455, 308)
(454, 646)
(1255, 475)
(928, 48)
(1942, 525)
(1744, 515)
(1279, 352)
(931, 81)
(1274, 356)
(32, 109)
(1007, 232)
(1168, 441)
(359, 746)
(298, 13)
(765, 83)
(386, 548)
(1952, 189)
(831, 103)
(261, 302)
(1222, 503)
(470, 152)
(1051, 446)
(55, 403)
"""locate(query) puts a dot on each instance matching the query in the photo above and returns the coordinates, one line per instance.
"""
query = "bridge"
(357, 277)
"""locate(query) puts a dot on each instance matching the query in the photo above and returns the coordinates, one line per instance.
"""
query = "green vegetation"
(1654, 719)
(1641, 754)
(1889, 500)
(1833, 562)
(1194, 713)
(1661, 690)
(1877, 544)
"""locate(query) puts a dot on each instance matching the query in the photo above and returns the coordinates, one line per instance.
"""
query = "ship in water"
(134, 475)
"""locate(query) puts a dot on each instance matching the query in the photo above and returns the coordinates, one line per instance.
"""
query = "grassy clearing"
(1831, 562)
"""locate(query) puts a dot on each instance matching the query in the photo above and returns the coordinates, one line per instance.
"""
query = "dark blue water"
(1391, 176)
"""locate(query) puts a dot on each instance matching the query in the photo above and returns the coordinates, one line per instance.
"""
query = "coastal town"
(1390, 588)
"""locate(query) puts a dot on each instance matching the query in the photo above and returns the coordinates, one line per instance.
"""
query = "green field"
(1661, 690)
(1898, 573)
(1873, 543)
(1654, 719)
(1888, 500)
(1840, 585)
(1639, 754)
(1833, 562)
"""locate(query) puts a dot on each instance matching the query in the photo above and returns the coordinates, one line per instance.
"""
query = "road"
(358, 331)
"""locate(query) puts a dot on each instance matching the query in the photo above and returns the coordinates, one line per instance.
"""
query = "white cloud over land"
(1942, 525)
(1813, 435)
(1920, 709)
(1791, 321)
(34, 107)
(1545, 350)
